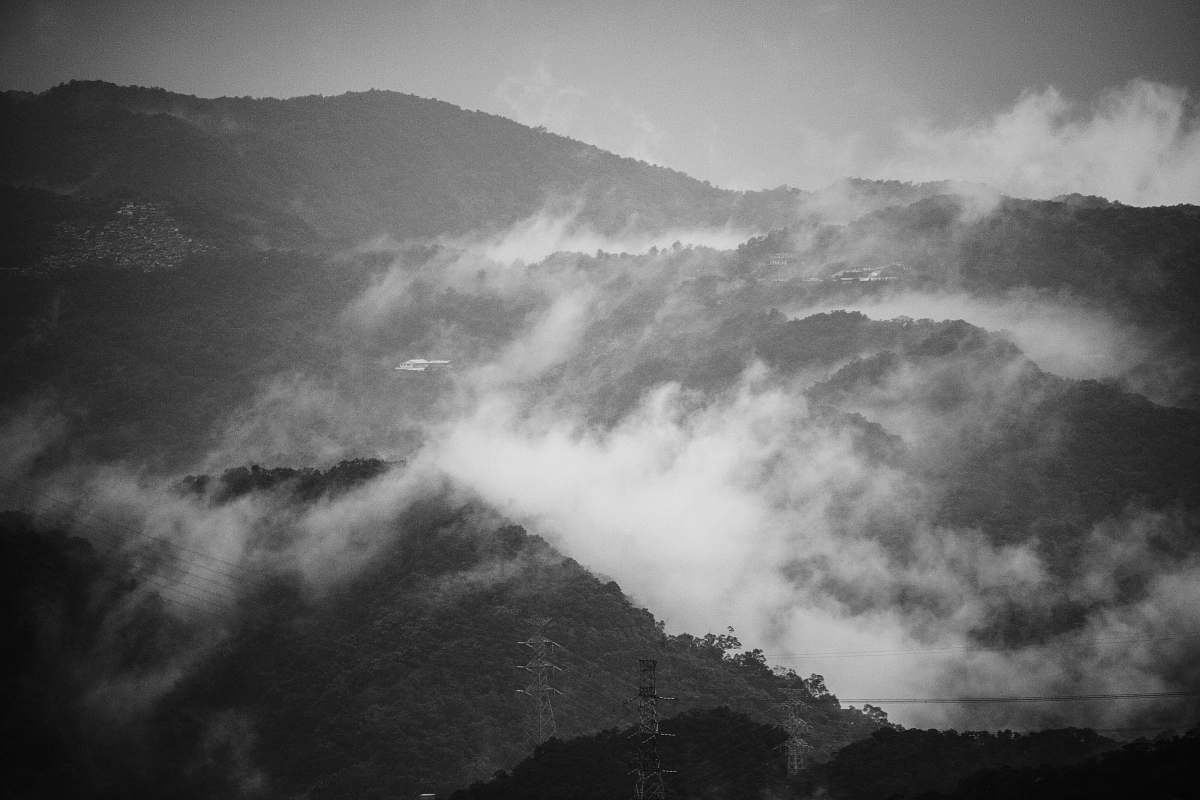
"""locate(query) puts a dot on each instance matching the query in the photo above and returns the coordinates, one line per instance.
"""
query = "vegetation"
(911, 763)
(310, 169)
(1164, 768)
(1047, 764)
(720, 754)
(175, 271)
(715, 753)
(400, 681)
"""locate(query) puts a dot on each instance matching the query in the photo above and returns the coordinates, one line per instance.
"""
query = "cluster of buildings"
(860, 274)
(892, 272)
(138, 236)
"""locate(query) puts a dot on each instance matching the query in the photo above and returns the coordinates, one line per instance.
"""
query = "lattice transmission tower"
(649, 771)
(792, 711)
(541, 719)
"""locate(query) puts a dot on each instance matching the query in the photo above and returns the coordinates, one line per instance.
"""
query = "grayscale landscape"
(572, 400)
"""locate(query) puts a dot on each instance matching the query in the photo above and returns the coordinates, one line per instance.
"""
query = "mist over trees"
(245, 556)
(363, 689)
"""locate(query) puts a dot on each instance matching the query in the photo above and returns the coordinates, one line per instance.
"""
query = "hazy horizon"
(930, 442)
(1037, 102)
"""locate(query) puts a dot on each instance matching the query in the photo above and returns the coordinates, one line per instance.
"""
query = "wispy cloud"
(1061, 334)
(737, 505)
(1138, 143)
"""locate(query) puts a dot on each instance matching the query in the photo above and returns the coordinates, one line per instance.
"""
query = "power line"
(141, 534)
(1061, 698)
(210, 591)
(649, 772)
(957, 649)
(792, 711)
(110, 531)
(542, 724)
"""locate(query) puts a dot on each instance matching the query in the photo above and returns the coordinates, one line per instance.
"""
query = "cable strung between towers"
(542, 725)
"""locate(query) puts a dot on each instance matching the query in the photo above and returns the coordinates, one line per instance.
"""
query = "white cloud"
(25, 434)
(547, 232)
(1139, 144)
(1062, 335)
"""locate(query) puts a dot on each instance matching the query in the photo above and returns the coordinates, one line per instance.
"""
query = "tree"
(815, 684)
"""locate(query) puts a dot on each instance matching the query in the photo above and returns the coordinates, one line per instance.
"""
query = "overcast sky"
(744, 94)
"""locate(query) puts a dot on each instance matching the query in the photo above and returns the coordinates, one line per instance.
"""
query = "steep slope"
(720, 754)
(397, 680)
(838, 462)
(1139, 265)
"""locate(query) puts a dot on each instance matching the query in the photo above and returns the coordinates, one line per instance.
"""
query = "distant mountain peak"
(344, 168)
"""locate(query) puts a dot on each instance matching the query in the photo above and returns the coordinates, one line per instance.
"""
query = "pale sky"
(744, 94)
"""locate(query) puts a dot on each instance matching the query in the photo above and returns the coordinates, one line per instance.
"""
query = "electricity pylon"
(542, 725)
(797, 748)
(649, 771)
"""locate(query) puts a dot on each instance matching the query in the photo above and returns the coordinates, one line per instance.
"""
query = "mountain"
(147, 362)
(1138, 265)
(397, 681)
(956, 430)
(715, 753)
(720, 754)
(313, 170)
(1045, 764)
(402, 681)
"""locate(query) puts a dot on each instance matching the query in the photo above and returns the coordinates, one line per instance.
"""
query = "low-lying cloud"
(741, 504)
(748, 510)
(1061, 334)
(533, 239)
(1138, 144)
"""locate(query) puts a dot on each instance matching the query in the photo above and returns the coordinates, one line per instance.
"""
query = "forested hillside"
(717, 753)
(399, 680)
(342, 169)
(925, 440)
(1139, 264)
(1046, 764)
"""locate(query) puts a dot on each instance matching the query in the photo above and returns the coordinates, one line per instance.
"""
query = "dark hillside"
(341, 168)
(1046, 764)
(398, 681)
(964, 436)
(1165, 768)
(916, 763)
(1140, 265)
(720, 754)
(1050, 451)
(405, 679)
(712, 754)
(154, 358)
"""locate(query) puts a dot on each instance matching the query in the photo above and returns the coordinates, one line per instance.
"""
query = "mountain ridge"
(346, 167)
(399, 677)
